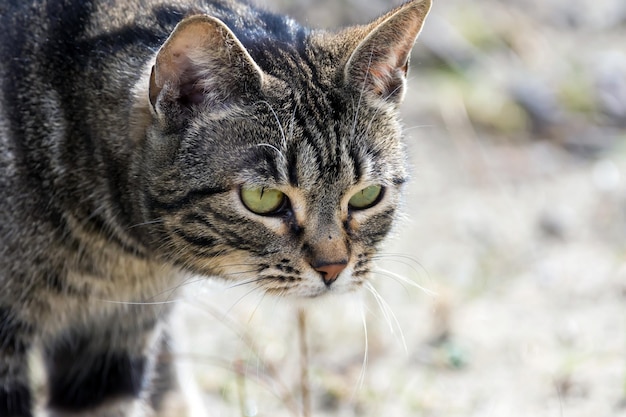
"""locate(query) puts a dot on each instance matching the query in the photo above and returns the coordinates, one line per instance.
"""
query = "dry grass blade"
(241, 393)
(270, 376)
(304, 365)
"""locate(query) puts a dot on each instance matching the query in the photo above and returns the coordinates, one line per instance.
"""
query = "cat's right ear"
(202, 61)
(379, 63)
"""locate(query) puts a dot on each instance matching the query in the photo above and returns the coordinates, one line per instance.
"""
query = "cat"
(143, 142)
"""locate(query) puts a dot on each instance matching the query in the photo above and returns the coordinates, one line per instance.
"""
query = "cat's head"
(277, 163)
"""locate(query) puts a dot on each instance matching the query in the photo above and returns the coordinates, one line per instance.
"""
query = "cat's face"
(270, 195)
(284, 178)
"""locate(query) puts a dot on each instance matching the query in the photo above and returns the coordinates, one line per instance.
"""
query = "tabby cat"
(146, 141)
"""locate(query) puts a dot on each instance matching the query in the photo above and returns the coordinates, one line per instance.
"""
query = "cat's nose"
(330, 271)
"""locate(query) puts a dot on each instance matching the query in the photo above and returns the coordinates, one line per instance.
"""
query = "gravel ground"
(513, 241)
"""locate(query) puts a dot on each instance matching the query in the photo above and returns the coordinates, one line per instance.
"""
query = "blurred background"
(503, 291)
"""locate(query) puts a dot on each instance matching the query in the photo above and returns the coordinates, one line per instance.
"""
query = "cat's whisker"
(384, 312)
(146, 223)
(274, 148)
(361, 380)
(408, 129)
(193, 279)
(170, 291)
(137, 303)
(245, 271)
(240, 299)
(405, 280)
(278, 122)
(256, 308)
(384, 274)
(404, 259)
(244, 283)
(388, 314)
(395, 254)
(407, 259)
(187, 281)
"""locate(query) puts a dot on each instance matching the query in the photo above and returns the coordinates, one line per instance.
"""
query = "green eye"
(261, 200)
(366, 198)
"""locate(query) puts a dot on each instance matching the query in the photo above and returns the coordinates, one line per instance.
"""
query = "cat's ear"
(202, 61)
(379, 64)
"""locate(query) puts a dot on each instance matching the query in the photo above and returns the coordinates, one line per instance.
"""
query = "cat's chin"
(315, 293)
(322, 299)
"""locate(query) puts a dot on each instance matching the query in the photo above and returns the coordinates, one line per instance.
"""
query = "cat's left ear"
(202, 61)
(379, 64)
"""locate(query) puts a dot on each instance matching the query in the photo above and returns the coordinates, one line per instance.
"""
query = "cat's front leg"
(120, 367)
(15, 342)
(103, 368)
(105, 384)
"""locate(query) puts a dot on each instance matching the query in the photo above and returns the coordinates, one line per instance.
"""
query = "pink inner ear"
(202, 60)
(382, 71)
(381, 75)
(177, 64)
(386, 73)
(380, 62)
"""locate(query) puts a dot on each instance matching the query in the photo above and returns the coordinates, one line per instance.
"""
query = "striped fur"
(127, 131)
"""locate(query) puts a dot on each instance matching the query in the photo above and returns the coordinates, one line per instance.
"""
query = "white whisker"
(247, 282)
(256, 308)
(280, 125)
(407, 281)
(187, 281)
(155, 221)
(405, 259)
(236, 303)
(389, 315)
(138, 303)
(408, 129)
(231, 274)
(361, 380)
(384, 312)
(278, 151)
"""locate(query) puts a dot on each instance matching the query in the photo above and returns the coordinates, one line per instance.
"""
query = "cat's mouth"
(313, 284)
(306, 294)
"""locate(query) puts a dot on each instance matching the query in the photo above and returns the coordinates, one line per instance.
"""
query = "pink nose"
(331, 271)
